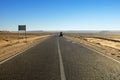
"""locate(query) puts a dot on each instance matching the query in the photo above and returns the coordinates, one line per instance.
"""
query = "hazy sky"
(60, 14)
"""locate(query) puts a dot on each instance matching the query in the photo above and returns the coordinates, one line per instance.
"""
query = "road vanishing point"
(58, 58)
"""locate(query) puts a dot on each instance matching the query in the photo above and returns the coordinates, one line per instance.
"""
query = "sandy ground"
(112, 44)
(10, 45)
(107, 44)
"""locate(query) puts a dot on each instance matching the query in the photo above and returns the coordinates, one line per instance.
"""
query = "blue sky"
(60, 14)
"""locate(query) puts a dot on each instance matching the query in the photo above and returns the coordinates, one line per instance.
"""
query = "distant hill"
(35, 31)
(4, 31)
(68, 31)
(109, 32)
(104, 32)
(28, 31)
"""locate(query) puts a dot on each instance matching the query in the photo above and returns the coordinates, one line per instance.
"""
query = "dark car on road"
(61, 34)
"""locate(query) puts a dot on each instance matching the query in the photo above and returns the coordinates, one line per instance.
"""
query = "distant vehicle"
(61, 34)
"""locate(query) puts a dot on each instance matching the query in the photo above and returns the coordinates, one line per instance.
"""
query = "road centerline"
(62, 73)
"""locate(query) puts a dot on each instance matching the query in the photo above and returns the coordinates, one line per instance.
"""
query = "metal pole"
(25, 36)
(18, 36)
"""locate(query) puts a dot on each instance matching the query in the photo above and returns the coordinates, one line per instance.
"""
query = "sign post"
(22, 28)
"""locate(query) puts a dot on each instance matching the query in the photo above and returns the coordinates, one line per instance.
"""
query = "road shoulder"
(16, 49)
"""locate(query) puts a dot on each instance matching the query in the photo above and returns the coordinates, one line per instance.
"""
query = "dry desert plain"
(11, 44)
(108, 44)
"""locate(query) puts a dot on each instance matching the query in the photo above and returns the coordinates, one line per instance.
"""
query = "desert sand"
(10, 45)
(106, 43)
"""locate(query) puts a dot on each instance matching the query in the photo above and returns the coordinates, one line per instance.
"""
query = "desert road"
(57, 58)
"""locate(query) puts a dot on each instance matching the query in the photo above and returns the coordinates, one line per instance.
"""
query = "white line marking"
(11, 57)
(73, 42)
(69, 40)
(62, 73)
(1, 62)
(100, 53)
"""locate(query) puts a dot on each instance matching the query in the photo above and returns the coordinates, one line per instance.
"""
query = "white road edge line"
(1, 62)
(101, 53)
(62, 73)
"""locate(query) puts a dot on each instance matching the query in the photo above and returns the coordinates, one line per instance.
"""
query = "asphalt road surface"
(59, 59)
